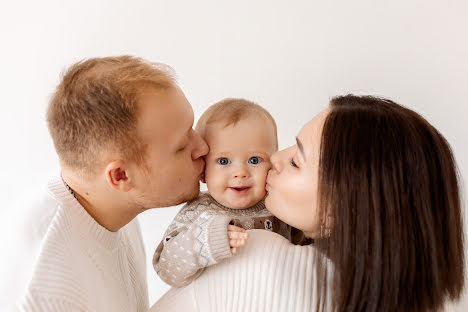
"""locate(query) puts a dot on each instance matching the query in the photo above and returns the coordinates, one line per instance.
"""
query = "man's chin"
(175, 199)
(191, 195)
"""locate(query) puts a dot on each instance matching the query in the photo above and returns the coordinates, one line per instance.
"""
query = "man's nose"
(201, 148)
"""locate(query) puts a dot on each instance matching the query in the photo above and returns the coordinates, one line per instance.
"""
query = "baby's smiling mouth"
(240, 189)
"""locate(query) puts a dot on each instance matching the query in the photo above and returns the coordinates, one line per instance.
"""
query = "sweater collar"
(259, 206)
(85, 224)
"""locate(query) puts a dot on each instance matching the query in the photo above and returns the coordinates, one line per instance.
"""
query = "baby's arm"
(188, 247)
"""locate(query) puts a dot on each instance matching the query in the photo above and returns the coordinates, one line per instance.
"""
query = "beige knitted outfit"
(197, 237)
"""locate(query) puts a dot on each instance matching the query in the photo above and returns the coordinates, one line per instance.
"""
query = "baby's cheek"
(219, 180)
(215, 184)
(262, 175)
(260, 181)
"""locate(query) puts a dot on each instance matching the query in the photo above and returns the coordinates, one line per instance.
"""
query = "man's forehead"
(165, 113)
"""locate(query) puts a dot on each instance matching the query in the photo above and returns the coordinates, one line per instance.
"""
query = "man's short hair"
(95, 107)
(232, 110)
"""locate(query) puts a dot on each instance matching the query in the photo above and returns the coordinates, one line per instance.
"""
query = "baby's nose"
(240, 173)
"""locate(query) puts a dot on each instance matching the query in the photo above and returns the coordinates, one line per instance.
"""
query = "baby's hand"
(237, 237)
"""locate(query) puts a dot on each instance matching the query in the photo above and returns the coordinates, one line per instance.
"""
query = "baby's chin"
(238, 203)
(240, 207)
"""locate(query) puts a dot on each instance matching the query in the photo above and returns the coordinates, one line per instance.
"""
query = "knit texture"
(268, 274)
(197, 237)
(84, 267)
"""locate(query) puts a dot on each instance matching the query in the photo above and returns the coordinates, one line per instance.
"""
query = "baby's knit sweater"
(197, 237)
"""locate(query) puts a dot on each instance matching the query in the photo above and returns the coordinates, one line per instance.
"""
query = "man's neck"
(112, 218)
(107, 210)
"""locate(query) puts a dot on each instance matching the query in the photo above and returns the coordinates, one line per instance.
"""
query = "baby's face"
(238, 161)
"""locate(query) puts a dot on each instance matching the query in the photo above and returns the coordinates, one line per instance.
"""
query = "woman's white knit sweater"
(268, 274)
(82, 266)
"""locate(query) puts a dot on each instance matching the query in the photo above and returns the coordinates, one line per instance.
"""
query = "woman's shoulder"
(268, 268)
(272, 247)
(273, 239)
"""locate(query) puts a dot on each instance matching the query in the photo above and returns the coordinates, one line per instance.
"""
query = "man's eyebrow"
(301, 147)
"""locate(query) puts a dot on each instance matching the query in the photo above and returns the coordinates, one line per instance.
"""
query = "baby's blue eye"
(223, 161)
(255, 160)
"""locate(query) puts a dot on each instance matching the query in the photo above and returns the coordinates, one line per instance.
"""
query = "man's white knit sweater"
(81, 266)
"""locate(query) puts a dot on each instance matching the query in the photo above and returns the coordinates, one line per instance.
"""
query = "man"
(122, 129)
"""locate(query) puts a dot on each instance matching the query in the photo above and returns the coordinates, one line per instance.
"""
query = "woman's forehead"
(312, 131)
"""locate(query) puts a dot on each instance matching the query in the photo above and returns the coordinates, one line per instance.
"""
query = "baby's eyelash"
(293, 163)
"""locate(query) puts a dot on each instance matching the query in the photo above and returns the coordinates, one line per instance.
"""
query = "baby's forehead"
(251, 134)
(242, 145)
(220, 126)
(241, 153)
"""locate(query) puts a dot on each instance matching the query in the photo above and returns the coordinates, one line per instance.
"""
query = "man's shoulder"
(65, 268)
(25, 225)
(55, 275)
(33, 215)
(59, 251)
(57, 268)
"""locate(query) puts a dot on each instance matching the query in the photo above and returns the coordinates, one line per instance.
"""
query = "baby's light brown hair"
(231, 111)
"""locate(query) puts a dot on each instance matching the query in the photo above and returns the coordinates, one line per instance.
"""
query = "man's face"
(174, 151)
(238, 161)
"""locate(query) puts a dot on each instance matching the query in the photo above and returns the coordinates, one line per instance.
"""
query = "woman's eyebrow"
(301, 147)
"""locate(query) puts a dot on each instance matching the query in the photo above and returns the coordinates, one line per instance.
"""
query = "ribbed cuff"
(218, 240)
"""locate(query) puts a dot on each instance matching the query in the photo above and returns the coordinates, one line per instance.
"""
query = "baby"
(242, 137)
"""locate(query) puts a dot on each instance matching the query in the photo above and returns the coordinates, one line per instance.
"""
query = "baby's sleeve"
(189, 246)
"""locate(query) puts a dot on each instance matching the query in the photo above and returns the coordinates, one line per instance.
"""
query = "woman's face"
(292, 183)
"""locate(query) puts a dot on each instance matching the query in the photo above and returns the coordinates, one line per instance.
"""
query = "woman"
(375, 186)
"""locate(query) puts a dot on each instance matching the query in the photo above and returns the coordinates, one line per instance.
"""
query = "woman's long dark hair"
(389, 179)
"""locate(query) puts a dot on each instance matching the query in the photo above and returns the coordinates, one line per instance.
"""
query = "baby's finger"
(237, 235)
(235, 228)
(237, 242)
(233, 250)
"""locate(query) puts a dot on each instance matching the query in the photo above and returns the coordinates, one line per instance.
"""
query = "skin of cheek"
(293, 201)
(218, 180)
(176, 180)
(260, 179)
(293, 191)
(173, 177)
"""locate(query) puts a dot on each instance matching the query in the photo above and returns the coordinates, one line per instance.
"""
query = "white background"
(289, 56)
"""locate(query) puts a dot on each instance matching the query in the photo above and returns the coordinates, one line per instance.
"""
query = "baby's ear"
(202, 177)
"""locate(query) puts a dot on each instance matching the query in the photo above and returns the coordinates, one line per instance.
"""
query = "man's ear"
(117, 176)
